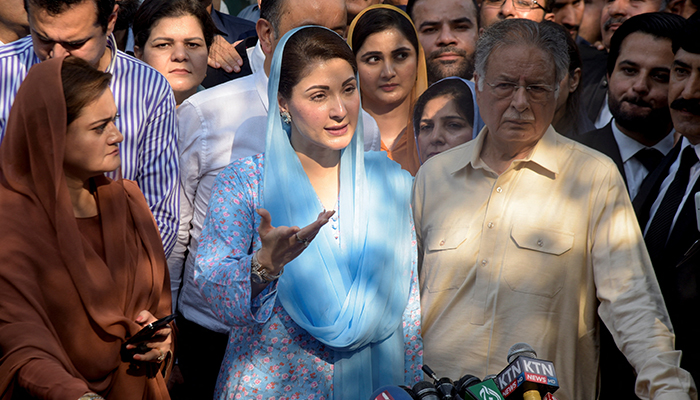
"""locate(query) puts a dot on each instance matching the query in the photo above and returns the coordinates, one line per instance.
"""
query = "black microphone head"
(446, 389)
(425, 391)
(409, 391)
(464, 382)
(520, 349)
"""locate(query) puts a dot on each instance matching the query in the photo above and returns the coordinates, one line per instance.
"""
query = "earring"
(286, 118)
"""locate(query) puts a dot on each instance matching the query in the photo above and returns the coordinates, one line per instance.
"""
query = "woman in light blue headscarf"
(330, 309)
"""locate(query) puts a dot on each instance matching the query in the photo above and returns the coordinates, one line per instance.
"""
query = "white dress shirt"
(635, 171)
(694, 175)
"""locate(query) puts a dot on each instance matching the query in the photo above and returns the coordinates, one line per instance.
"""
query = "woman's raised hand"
(282, 244)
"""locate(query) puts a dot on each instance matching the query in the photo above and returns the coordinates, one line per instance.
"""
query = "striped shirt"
(146, 119)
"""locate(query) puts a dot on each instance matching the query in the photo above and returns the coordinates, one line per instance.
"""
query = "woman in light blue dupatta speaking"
(330, 310)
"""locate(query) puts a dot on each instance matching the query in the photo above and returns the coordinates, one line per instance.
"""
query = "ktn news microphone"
(526, 376)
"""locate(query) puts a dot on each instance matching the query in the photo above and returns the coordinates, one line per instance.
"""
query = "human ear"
(283, 104)
(574, 80)
(112, 21)
(266, 35)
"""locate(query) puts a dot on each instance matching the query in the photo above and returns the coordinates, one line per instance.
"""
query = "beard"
(439, 69)
(652, 125)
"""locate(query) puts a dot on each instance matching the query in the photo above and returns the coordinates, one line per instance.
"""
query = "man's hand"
(223, 54)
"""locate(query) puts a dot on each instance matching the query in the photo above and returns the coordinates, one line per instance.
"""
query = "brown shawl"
(64, 312)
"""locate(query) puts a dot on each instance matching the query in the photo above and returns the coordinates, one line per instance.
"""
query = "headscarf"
(406, 155)
(350, 297)
(477, 123)
(64, 311)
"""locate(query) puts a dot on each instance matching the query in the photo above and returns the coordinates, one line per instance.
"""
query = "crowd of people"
(317, 198)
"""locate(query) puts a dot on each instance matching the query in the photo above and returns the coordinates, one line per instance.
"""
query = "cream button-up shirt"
(535, 255)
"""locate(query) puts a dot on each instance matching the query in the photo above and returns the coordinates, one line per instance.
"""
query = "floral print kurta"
(268, 356)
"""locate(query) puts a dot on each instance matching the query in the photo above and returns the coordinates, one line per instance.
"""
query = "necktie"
(649, 157)
(658, 231)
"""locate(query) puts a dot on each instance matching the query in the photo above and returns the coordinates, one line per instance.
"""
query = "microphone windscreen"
(390, 393)
(520, 349)
(425, 391)
(464, 382)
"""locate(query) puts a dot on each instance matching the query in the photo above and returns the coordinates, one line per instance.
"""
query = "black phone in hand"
(146, 333)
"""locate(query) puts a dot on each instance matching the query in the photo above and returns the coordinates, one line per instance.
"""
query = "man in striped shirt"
(146, 106)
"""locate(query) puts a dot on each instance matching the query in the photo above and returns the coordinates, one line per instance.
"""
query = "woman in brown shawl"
(81, 262)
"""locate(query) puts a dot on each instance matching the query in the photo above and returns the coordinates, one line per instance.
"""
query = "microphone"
(526, 376)
(425, 391)
(390, 393)
(520, 349)
(464, 382)
(444, 386)
(486, 390)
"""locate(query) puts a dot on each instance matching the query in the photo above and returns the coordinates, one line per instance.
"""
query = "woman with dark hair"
(331, 309)
(174, 37)
(569, 118)
(392, 71)
(444, 116)
(83, 267)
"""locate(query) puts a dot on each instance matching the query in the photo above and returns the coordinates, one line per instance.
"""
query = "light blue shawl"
(350, 297)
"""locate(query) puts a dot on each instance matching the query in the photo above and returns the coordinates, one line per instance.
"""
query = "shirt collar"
(629, 147)
(261, 81)
(685, 143)
(544, 154)
(112, 48)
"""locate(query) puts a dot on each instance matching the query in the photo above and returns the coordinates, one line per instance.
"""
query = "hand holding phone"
(146, 344)
(148, 331)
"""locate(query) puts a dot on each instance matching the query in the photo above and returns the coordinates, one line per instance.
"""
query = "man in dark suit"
(637, 138)
(231, 29)
(638, 69)
(594, 80)
(666, 202)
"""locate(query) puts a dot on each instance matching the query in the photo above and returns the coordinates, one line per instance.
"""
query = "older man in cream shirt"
(527, 236)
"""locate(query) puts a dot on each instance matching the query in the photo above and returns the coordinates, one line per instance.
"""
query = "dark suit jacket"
(617, 375)
(593, 97)
(594, 84)
(232, 29)
(604, 141)
(678, 265)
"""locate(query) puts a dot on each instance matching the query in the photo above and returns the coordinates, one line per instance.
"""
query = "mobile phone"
(149, 330)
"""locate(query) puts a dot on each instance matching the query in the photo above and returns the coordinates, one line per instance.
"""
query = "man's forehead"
(519, 60)
(687, 58)
(565, 2)
(73, 26)
(630, 45)
(443, 10)
(315, 12)
(85, 12)
(641, 6)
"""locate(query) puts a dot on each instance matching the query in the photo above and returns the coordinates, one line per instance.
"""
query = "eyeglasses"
(520, 5)
(536, 92)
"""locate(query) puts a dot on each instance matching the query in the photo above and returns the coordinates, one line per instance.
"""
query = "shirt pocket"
(535, 260)
(444, 261)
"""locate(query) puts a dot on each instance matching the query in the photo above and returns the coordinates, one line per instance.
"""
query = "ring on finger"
(162, 356)
(304, 241)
